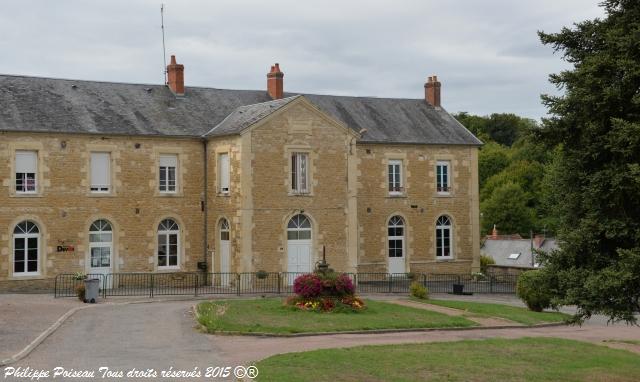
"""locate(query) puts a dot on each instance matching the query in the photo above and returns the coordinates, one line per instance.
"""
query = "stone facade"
(64, 208)
(347, 203)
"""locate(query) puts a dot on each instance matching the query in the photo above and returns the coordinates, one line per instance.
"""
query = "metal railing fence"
(198, 283)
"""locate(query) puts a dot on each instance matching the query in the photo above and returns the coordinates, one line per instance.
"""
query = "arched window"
(299, 228)
(101, 244)
(26, 249)
(396, 236)
(443, 238)
(224, 229)
(168, 244)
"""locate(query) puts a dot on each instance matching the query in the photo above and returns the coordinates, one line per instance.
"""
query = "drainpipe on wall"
(206, 210)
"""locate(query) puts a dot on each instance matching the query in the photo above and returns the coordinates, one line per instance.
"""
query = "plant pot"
(458, 288)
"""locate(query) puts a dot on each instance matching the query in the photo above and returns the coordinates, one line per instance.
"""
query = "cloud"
(487, 53)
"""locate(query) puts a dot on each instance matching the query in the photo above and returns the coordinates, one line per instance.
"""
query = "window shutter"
(224, 172)
(26, 161)
(100, 170)
(168, 161)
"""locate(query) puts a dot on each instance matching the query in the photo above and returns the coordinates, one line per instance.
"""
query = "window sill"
(27, 277)
(444, 259)
(26, 195)
(101, 195)
(444, 195)
(167, 269)
(300, 194)
(169, 195)
(223, 194)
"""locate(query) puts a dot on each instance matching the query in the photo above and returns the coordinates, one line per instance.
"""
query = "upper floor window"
(395, 177)
(224, 172)
(26, 243)
(100, 172)
(26, 170)
(299, 173)
(443, 181)
(443, 238)
(168, 169)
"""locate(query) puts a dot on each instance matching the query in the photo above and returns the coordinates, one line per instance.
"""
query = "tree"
(492, 159)
(507, 209)
(596, 122)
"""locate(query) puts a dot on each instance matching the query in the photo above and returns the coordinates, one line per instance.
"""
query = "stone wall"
(64, 208)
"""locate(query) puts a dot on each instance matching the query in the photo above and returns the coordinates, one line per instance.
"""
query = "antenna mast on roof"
(164, 49)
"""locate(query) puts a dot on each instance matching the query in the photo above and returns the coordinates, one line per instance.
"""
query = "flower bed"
(325, 292)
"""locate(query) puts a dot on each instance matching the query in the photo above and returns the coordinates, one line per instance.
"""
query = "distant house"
(515, 251)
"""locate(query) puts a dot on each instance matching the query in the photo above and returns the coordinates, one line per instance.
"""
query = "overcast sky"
(486, 53)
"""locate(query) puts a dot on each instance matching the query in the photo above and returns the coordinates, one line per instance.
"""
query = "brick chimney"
(275, 82)
(175, 77)
(432, 91)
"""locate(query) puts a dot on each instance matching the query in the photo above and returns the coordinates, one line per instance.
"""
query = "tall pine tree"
(597, 177)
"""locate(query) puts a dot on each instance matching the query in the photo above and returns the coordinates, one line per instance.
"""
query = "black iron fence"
(196, 283)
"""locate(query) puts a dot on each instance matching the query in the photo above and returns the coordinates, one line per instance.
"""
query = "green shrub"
(484, 261)
(532, 289)
(418, 291)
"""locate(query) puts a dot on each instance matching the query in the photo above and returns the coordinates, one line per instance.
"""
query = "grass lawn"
(526, 359)
(270, 316)
(513, 313)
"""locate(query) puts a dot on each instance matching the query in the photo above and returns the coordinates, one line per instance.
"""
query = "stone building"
(100, 177)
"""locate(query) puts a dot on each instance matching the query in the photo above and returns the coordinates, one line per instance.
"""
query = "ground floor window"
(443, 237)
(26, 243)
(168, 244)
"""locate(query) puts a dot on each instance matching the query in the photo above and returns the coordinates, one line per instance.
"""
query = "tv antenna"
(164, 49)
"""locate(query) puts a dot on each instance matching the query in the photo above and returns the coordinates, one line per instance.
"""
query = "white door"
(101, 251)
(225, 253)
(299, 252)
(396, 245)
(299, 246)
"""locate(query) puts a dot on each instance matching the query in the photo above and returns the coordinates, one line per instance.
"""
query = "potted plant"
(261, 274)
(79, 288)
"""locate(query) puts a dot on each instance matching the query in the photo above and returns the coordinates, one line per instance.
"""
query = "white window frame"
(443, 188)
(396, 221)
(24, 173)
(300, 172)
(100, 243)
(165, 168)
(395, 181)
(25, 237)
(100, 188)
(442, 228)
(224, 174)
(166, 234)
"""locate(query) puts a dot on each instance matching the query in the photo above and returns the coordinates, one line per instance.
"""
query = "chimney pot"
(175, 76)
(275, 82)
(432, 91)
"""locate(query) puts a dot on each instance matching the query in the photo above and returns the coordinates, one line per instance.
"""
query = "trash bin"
(91, 289)
(458, 288)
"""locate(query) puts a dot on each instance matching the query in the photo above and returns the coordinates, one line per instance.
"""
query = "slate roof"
(500, 249)
(72, 106)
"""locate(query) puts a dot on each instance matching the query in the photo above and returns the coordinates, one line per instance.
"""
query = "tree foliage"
(596, 177)
(507, 204)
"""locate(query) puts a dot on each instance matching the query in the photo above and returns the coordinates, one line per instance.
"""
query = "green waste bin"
(91, 290)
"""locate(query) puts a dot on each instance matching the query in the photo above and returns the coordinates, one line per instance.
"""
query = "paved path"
(24, 316)
(243, 350)
(482, 321)
(155, 335)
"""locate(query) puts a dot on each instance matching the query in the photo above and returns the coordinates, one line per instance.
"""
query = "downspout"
(206, 210)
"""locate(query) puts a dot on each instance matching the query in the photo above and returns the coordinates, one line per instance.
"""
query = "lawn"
(270, 316)
(513, 313)
(526, 359)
